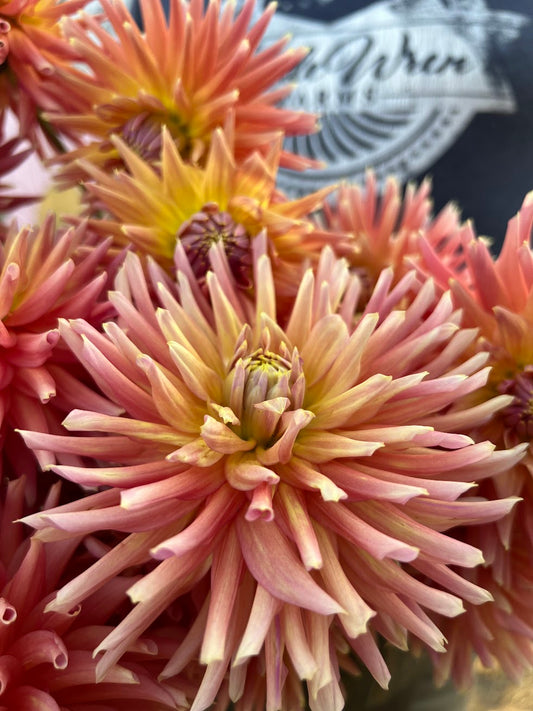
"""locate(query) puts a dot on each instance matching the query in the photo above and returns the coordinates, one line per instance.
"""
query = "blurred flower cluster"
(249, 442)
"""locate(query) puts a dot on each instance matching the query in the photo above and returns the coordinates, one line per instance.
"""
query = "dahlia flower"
(188, 75)
(32, 47)
(45, 658)
(298, 462)
(383, 228)
(195, 207)
(44, 274)
(496, 297)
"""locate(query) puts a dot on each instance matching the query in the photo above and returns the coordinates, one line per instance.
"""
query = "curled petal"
(221, 438)
(38, 647)
(244, 472)
(260, 508)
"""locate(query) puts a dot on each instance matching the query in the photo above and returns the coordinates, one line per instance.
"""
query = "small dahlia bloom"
(44, 274)
(383, 227)
(192, 207)
(296, 463)
(32, 47)
(187, 74)
(46, 660)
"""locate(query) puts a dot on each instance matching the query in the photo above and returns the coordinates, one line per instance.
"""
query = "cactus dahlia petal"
(32, 48)
(297, 463)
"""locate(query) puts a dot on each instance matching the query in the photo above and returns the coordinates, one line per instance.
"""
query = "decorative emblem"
(395, 83)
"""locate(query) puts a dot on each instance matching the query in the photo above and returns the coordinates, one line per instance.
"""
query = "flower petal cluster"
(295, 433)
(499, 634)
(46, 658)
(305, 465)
(187, 74)
(45, 273)
(184, 209)
(496, 296)
(32, 48)
(384, 228)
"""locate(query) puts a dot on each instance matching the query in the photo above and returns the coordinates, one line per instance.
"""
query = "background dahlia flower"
(298, 464)
(187, 74)
(46, 660)
(194, 207)
(499, 634)
(44, 274)
(496, 296)
(32, 47)
(383, 228)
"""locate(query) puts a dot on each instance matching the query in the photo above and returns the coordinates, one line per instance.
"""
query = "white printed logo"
(395, 84)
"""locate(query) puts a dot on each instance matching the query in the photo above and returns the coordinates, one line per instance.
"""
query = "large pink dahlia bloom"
(46, 661)
(299, 463)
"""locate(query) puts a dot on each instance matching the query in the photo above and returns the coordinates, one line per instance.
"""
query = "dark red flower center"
(211, 225)
(518, 416)
(142, 134)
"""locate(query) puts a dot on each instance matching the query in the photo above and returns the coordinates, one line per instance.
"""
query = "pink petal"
(358, 613)
(260, 507)
(264, 608)
(296, 642)
(292, 508)
(244, 472)
(281, 451)
(275, 566)
(225, 579)
(370, 538)
(368, 651)
(220, 509)
(221, 438)
(40, 647)
(319, 447)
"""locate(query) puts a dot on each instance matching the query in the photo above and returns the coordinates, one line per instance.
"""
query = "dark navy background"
(489, 169)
